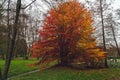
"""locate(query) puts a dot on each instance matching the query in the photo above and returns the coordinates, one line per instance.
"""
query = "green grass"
(63, 73)
(19, 66)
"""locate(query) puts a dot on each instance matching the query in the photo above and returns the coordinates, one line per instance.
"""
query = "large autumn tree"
(66, 36)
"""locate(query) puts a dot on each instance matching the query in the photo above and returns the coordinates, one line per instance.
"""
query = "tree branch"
(28, 4)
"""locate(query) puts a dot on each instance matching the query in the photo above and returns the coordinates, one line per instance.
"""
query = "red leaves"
(69, 28)
(35, 55)
(68, 36)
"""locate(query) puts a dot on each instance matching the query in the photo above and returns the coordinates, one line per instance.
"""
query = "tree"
(66, 32)
(118, 13)
(10, 53)
(103, 30)
(0, 13)
(112, 28)
(3, 41)
(21, 45)
(21, 48)
(0, 41)
(14, 30)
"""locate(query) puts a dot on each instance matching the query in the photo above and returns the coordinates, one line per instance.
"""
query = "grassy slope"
(63, 73)
(19, 66)
(60, 73)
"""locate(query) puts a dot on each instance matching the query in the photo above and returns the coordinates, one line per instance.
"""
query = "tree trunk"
(3, 57)
(8, 60)
(103, 31)
(8, 26)
(63, 56)
(113, 32)
(63, 51)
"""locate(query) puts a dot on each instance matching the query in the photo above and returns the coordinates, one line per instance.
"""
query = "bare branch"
(3, 2)
(28, 4)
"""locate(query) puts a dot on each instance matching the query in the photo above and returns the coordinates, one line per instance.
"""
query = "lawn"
(19, 66)
(63, 73)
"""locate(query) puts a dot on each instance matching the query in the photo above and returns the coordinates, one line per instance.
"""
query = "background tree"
(3, 41)
(112, 23)
(100, 11)
(21, 49)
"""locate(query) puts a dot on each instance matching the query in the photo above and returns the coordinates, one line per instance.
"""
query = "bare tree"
(8, 26)
(103, 31)
(116, 43)
(112, 23)
(8, 61)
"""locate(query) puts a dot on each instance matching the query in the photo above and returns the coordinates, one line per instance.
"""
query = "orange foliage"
(67, 30)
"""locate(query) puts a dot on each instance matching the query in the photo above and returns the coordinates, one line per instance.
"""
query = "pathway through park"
(27, 73)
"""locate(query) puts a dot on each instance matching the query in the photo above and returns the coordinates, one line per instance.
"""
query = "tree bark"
(103, 31)
(63, 51)
(102, 20)
(8, 61)
(63, 56)
(8, 26)
(2, 55)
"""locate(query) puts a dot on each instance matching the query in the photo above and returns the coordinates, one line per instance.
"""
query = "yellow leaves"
(86, 43)
(95, 50)
(68, 26)
(72, 13)
(60, 17)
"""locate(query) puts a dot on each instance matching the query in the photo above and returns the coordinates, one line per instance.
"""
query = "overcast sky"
(116, 4)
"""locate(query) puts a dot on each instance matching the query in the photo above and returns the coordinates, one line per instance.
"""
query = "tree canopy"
(66, 35)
